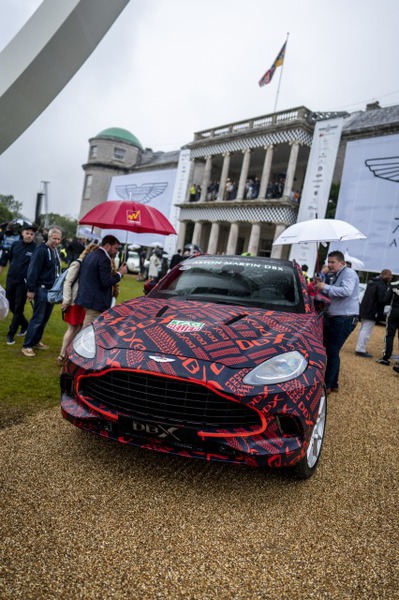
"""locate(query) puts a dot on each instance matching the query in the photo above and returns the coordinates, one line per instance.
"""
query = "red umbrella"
(129, 216)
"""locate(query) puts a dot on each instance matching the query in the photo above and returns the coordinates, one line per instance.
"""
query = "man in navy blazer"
(96, 279)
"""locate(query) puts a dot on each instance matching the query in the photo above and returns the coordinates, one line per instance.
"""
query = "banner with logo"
(158, 189)
(369, 200)
(317, 184)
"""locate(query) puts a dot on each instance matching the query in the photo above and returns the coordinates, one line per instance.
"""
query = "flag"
(267, 77)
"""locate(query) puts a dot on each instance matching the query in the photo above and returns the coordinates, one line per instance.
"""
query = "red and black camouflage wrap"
(232, 341)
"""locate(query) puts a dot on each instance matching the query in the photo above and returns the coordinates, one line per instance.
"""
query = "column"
(253, 244)
(277, 251)
(197, 234)
(224, 175)
(232, 241)
(181, 235)
(244, 173)
(206, 179)
(289, 180)
(190, 179)
(213, 238)
(267, 166)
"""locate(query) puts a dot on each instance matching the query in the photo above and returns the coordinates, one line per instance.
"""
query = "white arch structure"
(46, 53)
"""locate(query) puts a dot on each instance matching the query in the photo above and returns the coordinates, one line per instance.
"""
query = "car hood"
(226, 334)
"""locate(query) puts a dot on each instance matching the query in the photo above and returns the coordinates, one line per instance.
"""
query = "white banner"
(317, 184)
(369, 200)
(154, 188)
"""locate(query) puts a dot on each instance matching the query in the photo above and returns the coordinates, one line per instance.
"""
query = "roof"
(117, 133)
(369, 119)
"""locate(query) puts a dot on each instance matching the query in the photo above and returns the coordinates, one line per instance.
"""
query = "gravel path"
(85, 518)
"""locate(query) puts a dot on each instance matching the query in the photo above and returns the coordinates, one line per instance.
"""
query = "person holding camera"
(342, 316)
(96, 279)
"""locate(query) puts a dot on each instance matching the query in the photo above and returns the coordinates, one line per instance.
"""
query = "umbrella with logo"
(319, 230)
(128, 216)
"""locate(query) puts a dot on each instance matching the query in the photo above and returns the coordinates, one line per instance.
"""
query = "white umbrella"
(356, 263)
(156, 245)
(319, 230)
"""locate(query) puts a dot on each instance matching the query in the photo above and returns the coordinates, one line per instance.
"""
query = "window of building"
(119, 153)
(265, 247)
(88, 182)
(93, 151)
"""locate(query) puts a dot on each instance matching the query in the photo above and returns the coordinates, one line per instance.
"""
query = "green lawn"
(28, 385)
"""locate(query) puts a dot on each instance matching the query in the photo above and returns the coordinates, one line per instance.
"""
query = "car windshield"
(262, 283)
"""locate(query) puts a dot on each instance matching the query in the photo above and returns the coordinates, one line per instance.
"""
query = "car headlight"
(282, 367)
(85, 343)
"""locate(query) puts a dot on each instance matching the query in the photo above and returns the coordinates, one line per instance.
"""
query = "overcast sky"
(168, 68)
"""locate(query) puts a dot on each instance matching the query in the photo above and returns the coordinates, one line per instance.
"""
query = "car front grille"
(159, 398)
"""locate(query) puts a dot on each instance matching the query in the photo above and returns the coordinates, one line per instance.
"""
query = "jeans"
(336, 332)
(41, 313)
(16, 296)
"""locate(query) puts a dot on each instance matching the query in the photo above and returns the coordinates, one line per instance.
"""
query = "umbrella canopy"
(22, 223)
(129, 216)
(356, 263)
(319, 230)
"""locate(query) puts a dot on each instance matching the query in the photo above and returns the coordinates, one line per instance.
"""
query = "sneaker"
(383, 361)
(10, 340)
(22, 332)
(396, 368)
(364, 354)
(41, 346)
(28, 352)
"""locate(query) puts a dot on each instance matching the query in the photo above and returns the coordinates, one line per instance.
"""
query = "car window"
(234, 281)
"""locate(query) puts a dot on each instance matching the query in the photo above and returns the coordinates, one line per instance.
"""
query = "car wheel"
(308, 464)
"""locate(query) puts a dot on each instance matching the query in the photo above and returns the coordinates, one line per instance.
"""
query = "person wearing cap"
(19, 256)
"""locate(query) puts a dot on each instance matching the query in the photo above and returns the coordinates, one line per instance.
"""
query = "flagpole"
(281, 74)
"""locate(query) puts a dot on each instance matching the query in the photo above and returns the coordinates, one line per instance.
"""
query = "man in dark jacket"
(96, 279)
(20, 254)
(43, 269)
(176, 258)
(392, 325)
(374, 299)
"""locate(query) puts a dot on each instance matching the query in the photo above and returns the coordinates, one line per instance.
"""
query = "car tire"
(307, 466)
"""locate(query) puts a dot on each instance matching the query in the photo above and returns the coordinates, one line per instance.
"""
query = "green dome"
(120, 134)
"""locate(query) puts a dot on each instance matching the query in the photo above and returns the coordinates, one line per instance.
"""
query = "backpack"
(54, 296)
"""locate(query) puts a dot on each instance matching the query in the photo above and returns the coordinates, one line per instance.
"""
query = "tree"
(66, 223)
(9, 208)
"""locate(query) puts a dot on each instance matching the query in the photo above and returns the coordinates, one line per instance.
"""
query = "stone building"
(112, 152)
(245, 178)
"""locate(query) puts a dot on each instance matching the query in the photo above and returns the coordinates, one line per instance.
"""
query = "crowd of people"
(274, 190)
(34, 266)
(92, 282)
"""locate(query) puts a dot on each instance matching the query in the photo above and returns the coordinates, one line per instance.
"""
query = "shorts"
(74, 315)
